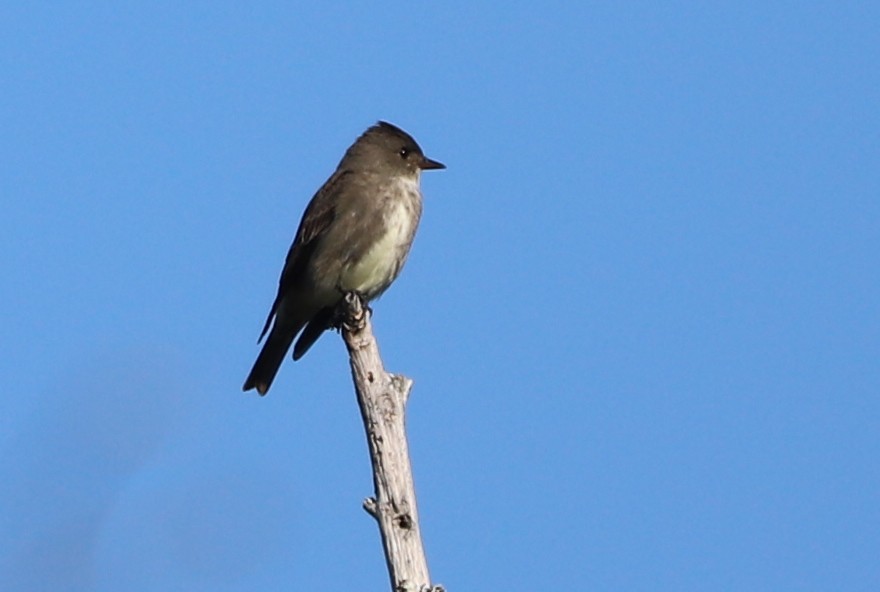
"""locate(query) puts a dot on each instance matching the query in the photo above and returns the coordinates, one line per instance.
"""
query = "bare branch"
(382, 399)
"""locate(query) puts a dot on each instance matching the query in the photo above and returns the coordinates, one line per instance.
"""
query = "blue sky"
(642, 312)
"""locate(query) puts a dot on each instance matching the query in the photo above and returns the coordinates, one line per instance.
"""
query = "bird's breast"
(373, 267)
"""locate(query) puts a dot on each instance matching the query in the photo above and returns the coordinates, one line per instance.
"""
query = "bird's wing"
(316, 219)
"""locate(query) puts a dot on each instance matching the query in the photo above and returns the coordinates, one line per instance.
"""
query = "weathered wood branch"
(382, 399)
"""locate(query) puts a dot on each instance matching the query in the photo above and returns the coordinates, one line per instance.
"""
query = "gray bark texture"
(382, 399)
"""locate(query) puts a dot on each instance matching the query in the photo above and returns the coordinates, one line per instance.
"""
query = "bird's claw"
(350, 313)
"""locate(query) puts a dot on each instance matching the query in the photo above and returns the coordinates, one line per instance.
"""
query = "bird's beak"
(428, 164)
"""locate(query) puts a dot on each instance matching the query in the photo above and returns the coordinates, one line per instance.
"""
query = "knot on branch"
(407, 586)
(402, 386)
(371, 507)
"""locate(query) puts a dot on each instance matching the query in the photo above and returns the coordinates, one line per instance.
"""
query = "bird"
(354, 237)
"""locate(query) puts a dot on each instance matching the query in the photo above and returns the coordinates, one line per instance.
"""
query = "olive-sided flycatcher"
(354, 236)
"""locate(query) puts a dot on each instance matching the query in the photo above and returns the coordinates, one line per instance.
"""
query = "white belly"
(380, 265)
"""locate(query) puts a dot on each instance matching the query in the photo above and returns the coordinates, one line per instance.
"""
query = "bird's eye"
(404, 153)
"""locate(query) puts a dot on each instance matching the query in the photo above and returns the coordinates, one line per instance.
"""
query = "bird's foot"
(350, 313)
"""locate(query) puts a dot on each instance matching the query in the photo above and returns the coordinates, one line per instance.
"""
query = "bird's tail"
(319, 323)
(270, 358)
